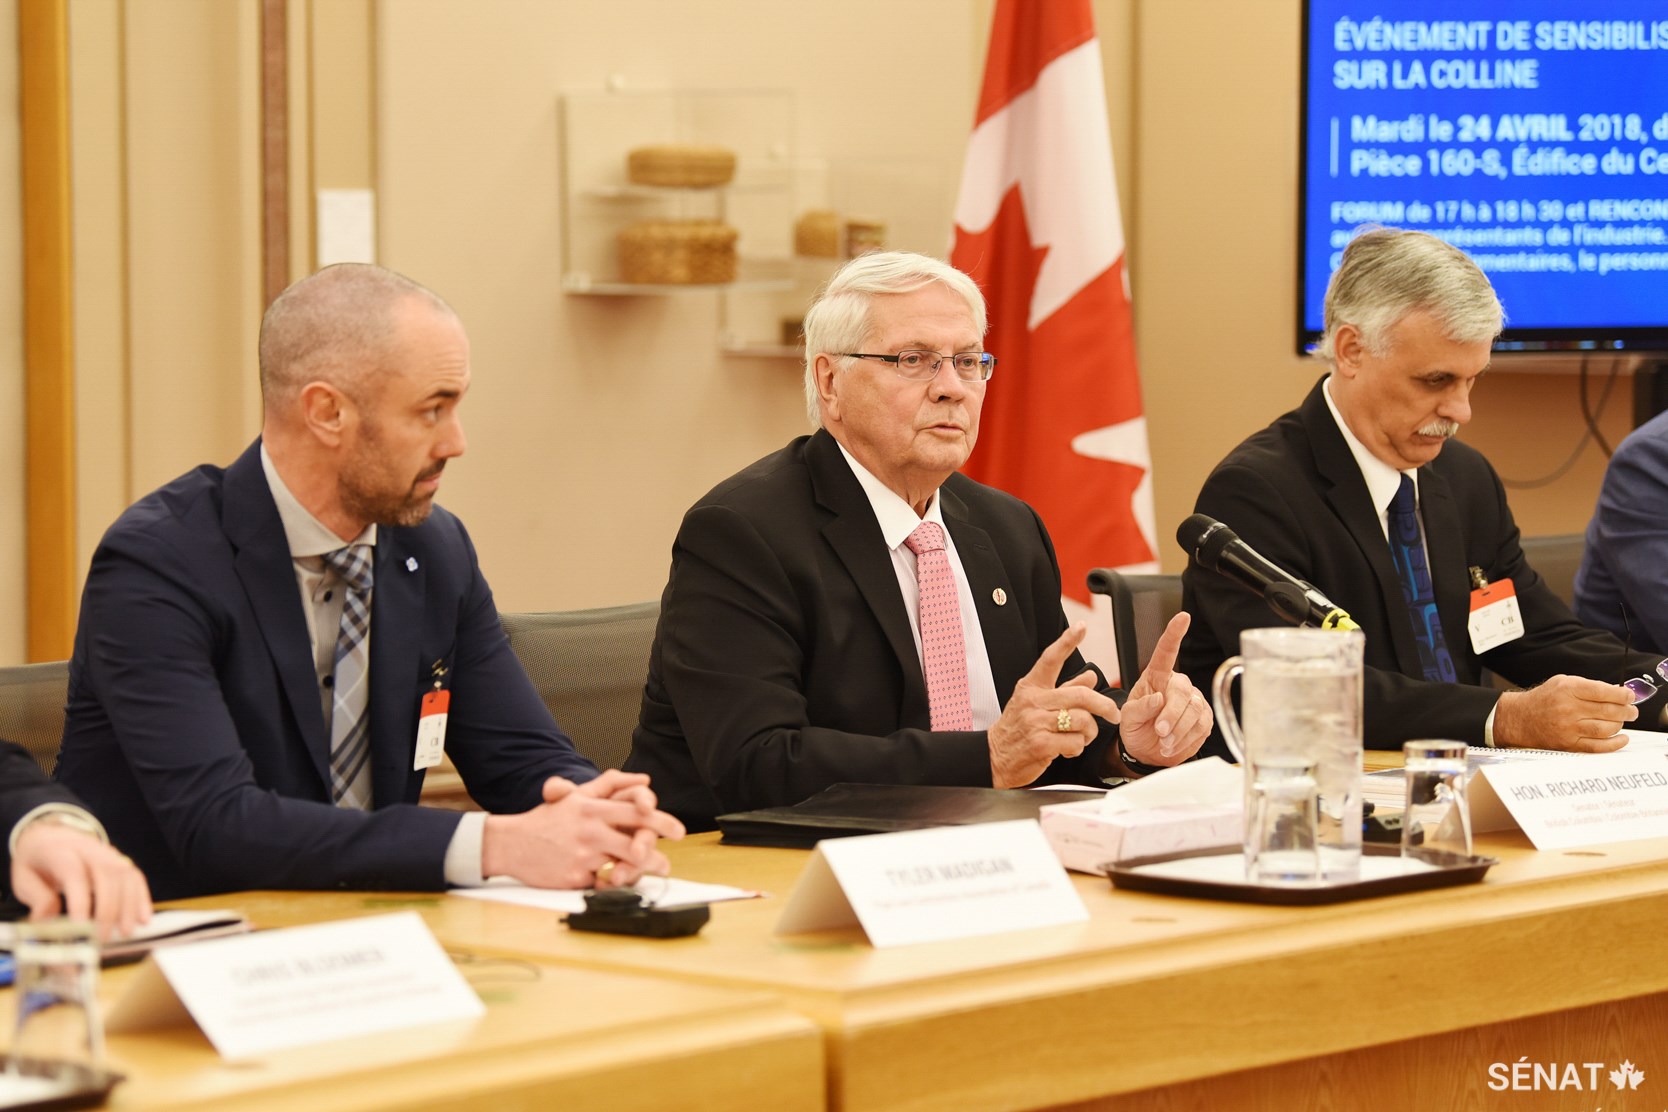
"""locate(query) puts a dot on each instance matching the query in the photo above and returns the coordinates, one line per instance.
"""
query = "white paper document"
(1388, 787)
(166, 928)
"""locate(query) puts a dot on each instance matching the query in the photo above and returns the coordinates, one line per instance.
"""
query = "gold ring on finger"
(604, 871)
(1062, 721)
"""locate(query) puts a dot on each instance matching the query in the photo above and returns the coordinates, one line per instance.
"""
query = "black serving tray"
(1164, 876)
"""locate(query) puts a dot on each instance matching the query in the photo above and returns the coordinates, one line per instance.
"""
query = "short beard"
(382, 508)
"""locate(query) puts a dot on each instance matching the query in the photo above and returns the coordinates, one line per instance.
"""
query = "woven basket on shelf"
(678, 252)
(680, 165)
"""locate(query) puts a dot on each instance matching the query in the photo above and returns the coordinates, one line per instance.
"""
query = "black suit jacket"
(1294, 493)
(23, 787)
(783, 661)
(195, 728)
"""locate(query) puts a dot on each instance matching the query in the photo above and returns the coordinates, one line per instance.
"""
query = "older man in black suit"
(852, 609)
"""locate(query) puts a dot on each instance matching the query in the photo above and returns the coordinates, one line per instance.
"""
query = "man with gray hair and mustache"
(1360, 492)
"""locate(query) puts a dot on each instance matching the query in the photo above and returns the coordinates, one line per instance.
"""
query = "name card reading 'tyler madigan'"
(278, 989)
(1568, 802)
(931, 885)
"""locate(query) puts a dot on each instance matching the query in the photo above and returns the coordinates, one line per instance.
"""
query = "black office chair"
(1557, 558)
(32, 700)
(589, 667)
(1142, 605)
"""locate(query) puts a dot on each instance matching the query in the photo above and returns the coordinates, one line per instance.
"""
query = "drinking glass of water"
(56, 992)
(1437, 822)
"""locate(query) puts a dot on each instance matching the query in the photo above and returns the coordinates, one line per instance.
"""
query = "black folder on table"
(846, 809)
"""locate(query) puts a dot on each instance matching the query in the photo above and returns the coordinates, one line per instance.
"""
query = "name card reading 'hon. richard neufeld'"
(1580, 800)
(264, 992)
(931, 885)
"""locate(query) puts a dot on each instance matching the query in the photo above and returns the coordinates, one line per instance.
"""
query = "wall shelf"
(583, 286)
(599, 129)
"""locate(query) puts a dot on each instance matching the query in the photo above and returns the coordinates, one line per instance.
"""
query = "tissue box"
(1085, 839)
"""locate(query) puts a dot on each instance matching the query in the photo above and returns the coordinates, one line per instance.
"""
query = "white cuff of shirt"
(1488, 726)
(67, 813)
(463, 852)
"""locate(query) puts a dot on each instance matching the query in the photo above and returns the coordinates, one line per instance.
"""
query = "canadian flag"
(1037, 227)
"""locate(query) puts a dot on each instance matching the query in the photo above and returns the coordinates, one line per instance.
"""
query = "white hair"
(1387, 273)
(838, 320)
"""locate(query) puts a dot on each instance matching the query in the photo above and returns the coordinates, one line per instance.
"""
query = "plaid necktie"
(350, 718)
(1407, 552)
(943, 651)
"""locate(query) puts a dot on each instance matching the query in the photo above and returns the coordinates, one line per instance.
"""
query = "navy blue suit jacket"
(1619, 586)
(195, 727)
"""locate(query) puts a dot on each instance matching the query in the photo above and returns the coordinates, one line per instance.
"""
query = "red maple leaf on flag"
(1037, 225)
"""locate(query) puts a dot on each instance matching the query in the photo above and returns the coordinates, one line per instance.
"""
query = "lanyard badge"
(431, 722)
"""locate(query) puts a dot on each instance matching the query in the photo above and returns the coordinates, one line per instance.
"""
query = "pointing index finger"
(1046, 671)
(1163, 661)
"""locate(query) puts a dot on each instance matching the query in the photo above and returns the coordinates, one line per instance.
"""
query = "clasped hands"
(599, 834)
(1163, 722)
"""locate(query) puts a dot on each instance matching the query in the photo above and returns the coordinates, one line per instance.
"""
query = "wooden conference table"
(553, 1036)
(1398, 1002)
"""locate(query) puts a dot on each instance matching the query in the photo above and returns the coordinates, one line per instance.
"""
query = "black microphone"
(1215, 546)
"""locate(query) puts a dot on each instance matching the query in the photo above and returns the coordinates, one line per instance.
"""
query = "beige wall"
(596, 421)
(165, 162)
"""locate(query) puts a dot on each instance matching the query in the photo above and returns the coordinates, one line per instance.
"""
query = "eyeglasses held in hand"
(922, 366)
(1643, 687)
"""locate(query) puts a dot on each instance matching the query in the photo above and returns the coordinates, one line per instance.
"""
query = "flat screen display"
(1532, 134)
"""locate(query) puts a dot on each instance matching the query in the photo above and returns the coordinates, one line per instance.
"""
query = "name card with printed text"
(1579, 800)
(931, 885)
(278, 989)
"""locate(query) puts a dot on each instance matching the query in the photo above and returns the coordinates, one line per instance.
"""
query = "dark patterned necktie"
(1407, 552)
(350, 716)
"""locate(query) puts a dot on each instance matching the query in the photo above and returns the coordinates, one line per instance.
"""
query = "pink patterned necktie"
(943, 651)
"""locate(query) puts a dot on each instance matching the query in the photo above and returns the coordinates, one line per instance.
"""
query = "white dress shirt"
(898, 520)
(69, 814)
(1382, 483)
(1382, 480)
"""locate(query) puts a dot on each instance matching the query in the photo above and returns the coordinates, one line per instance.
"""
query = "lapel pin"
(1000, 596)
(411, 563)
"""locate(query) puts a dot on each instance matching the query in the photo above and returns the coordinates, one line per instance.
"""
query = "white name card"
(278, 989)
(931, 885)
(1579, 800)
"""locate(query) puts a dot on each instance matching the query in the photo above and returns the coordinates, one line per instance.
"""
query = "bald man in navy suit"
(205, 726)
